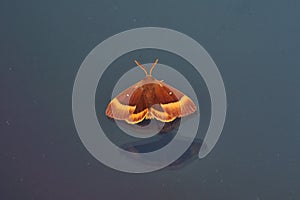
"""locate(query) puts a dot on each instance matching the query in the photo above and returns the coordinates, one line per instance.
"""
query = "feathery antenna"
(153, 65)
(141, 66)
(144, 68)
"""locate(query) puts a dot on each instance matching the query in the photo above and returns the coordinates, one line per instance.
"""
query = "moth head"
(144, 68)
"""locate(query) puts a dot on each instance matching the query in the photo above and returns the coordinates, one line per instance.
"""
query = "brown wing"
(152, 100)
(173, 103)
(128, 105)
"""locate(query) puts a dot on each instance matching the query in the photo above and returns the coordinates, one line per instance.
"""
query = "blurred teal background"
(256, 46)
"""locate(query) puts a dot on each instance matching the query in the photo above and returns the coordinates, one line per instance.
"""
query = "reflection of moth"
(157, 142)
(150, 99)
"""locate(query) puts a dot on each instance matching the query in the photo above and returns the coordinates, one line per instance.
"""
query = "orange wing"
(123, 106)
(173, 103)
(153, 100)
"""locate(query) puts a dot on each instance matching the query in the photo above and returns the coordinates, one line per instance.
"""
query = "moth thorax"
(149, 96)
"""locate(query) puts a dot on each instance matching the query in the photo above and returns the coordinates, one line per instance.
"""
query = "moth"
(150, 99)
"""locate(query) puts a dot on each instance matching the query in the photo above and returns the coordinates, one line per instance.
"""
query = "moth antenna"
(153, 65)
(141, 66)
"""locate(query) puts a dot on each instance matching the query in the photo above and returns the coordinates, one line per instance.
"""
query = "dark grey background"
(255, 45)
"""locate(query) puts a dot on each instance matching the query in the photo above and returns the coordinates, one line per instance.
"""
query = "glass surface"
(256, 46)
